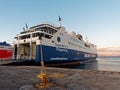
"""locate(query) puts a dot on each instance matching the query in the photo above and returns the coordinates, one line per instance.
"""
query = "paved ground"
(24, 78)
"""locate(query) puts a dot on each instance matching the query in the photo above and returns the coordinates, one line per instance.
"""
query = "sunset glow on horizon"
(109, 51)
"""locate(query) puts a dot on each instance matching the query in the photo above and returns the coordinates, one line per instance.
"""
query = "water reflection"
(103, 64)
(109, 64)
(88, 65)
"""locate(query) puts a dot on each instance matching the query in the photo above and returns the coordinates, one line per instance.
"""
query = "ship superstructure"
(54, 43)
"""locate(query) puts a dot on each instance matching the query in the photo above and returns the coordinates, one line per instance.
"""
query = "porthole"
(58, 39)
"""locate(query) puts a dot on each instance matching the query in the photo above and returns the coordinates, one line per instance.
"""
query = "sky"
(98, 20)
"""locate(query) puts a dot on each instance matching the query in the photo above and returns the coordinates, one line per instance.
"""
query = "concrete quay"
(25, 78)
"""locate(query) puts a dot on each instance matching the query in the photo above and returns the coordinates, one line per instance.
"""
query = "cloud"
(109, 51)
(113, 49)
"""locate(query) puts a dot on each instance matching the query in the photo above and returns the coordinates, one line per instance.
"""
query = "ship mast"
(59, 20)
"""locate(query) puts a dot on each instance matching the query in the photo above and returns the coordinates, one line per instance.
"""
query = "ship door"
(29, 51)
(26, 51)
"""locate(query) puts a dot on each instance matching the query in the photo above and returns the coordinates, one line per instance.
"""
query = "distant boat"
(6, 51)
(53, 44)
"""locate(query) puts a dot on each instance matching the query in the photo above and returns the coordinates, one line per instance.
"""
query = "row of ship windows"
(79, 46)
(35, 35)
(1, 47)
(46, 29)
(71, 43)
(89, 55)
(75, 40)
(43, 29)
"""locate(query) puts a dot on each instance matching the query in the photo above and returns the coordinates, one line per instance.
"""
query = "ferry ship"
(6, 51)
(52, 44)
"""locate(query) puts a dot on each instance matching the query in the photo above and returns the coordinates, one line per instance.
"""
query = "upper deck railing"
(45, 23)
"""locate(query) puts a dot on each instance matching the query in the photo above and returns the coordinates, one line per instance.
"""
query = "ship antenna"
(59, 20)
(23, 29)
(26, 26)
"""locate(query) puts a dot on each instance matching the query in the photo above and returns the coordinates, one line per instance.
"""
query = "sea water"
(109, 63)
(103, 64)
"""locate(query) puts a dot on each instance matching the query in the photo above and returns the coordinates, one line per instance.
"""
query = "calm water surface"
(109, 64)
(104, 64)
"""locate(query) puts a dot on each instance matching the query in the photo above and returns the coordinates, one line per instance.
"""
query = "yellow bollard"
(43, 81)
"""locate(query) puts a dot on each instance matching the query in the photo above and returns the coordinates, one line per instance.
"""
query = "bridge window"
(25, 36)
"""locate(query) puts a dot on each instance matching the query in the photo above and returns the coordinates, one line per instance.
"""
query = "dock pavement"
(25, 78)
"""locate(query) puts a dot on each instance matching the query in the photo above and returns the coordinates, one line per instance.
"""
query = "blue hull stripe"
(37, 53)
(53, 54)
